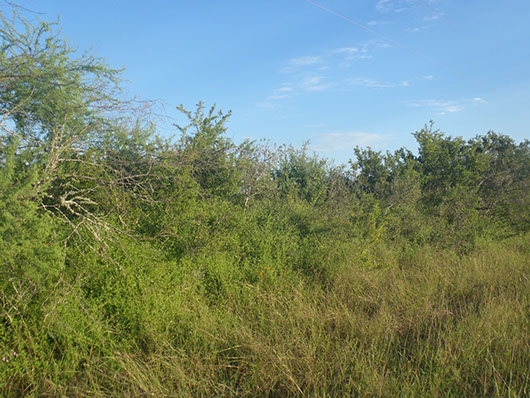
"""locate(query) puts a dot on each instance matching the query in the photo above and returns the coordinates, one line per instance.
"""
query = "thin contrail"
(382, 36)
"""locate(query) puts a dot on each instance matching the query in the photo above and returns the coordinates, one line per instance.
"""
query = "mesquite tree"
(66, 132)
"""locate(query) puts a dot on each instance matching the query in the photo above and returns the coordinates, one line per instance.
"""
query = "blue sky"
(291, 71)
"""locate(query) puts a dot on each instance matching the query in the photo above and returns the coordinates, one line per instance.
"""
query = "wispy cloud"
(307, 83)
(284, 91)
(314, 83)
(345, 57)
(339, 58)
(417, 29)
(320, 72)
(440, 106)
(304, 61)
(336, 141)
(392, 5)
(352, 53)
(401, 5)
(447, 106)
(295, 64)
(278, 96)
(430, 11)
(372, 83)
(376, 23)
(434, 17)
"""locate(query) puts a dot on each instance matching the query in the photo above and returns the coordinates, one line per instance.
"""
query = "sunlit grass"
(430, 324)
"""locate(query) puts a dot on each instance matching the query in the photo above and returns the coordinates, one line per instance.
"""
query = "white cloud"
(337, 141)
(372, 83)
(453, 108)
(350, 51)
(353, 53)
(369, 83)
(310, 81)
(371, 45)
(294, 64)
(382, 5)
(418, 29)
(304, 61)
(278, 96)
(446, 106)
(314, 83)
(306, 73)
(392, 5)
(343, 58)
(434, 17)
(398, 6)
(339, 58)
(307, 83)
(284, 89)
(439, 105)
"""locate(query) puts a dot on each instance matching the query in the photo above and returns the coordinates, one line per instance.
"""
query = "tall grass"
(416, 322)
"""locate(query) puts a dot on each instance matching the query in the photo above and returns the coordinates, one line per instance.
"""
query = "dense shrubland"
(133, 264)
